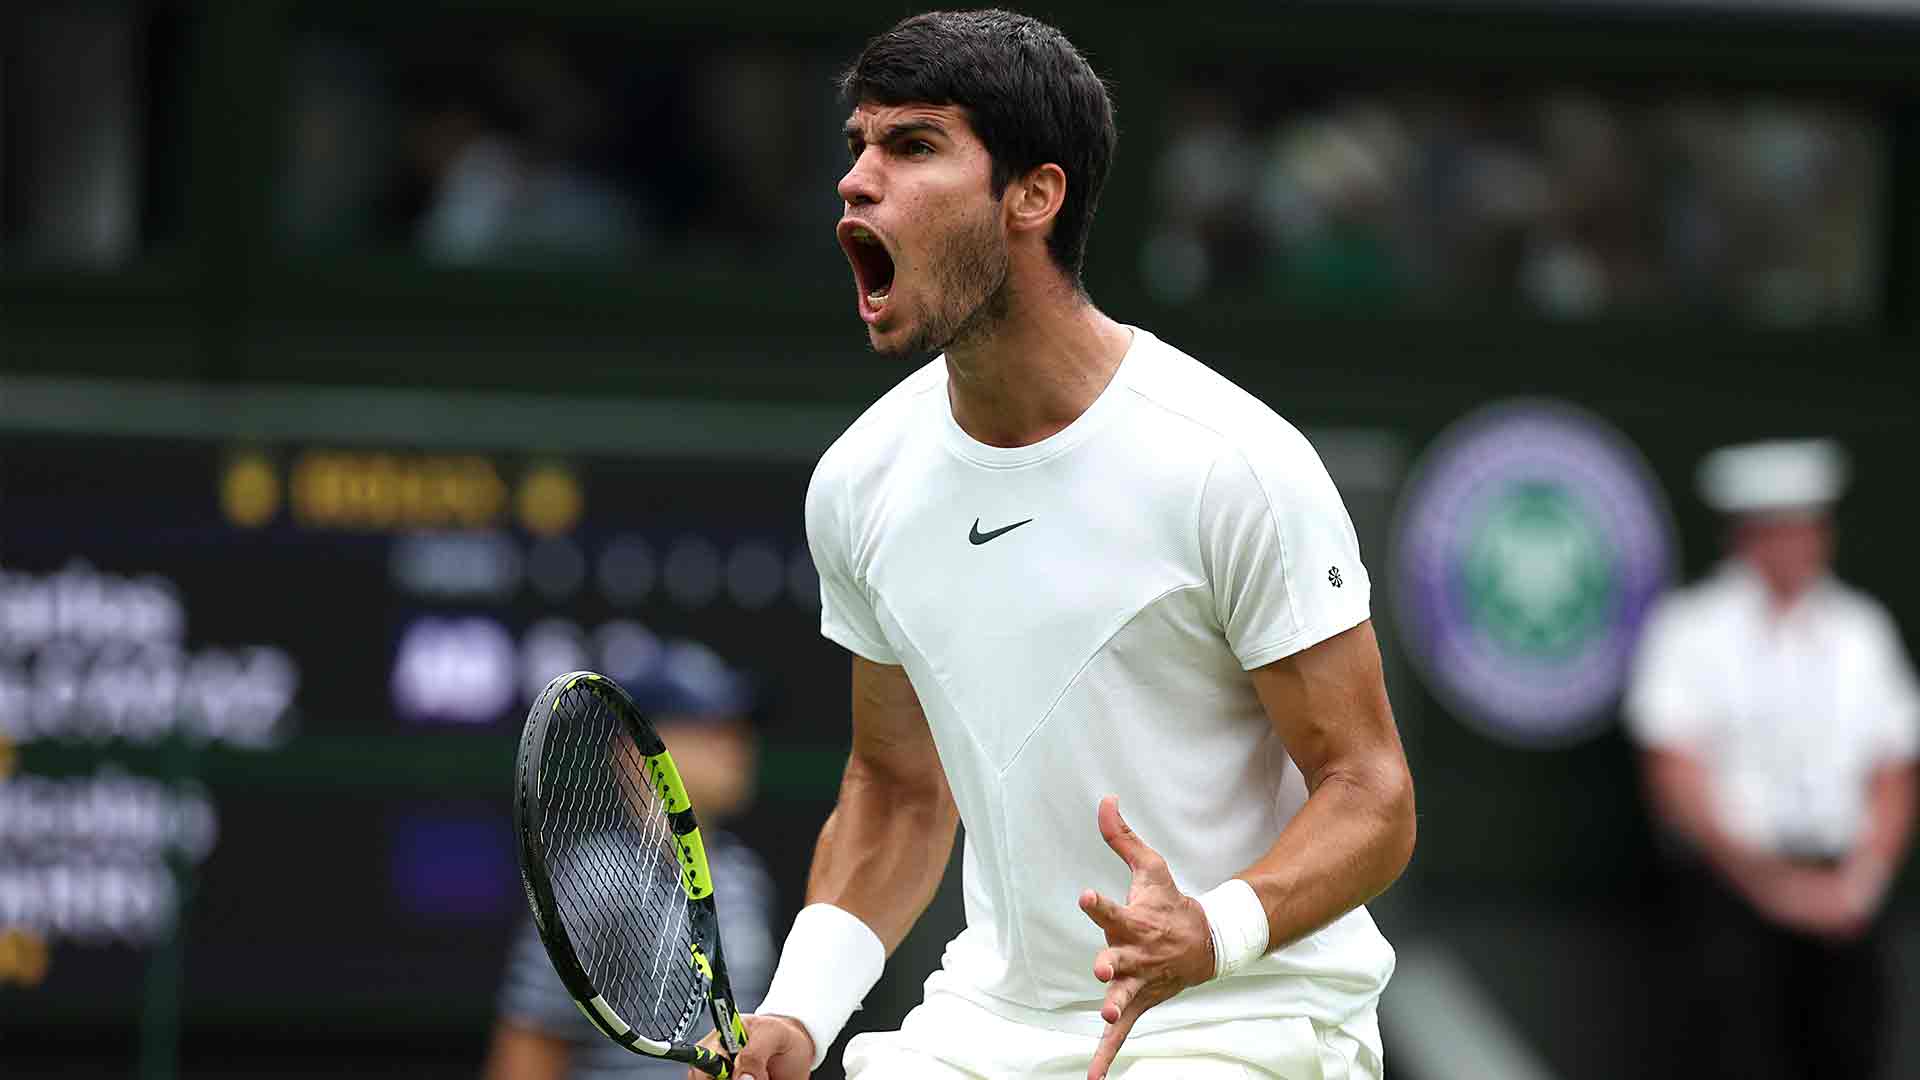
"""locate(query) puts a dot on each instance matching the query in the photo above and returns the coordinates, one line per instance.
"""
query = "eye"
(919, 148)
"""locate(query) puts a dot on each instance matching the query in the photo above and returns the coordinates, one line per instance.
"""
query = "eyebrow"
(897, 131)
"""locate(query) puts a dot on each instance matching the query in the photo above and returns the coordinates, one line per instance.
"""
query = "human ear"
(1033, 200)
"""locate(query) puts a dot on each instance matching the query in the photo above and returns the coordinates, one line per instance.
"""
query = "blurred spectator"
(73, 186)
(326, 200)
(505, 160)
(1202, 193)
(1779, 721)
(1329, 192)
(536, 145)
(1566, 204)
(701, 708)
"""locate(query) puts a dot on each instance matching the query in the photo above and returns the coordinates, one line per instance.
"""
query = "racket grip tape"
(712, 1064)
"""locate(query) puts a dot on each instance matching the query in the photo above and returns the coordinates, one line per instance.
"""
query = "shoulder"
(1702, 611)
(1219, 413)
(868, 442)
(1254, 458)
(1860, 611)
(859, 461)
(1688, 603)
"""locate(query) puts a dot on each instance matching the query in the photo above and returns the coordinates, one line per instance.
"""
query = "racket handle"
(712, 1064)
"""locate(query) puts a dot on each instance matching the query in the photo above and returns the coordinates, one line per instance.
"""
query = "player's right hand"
(778, 1048)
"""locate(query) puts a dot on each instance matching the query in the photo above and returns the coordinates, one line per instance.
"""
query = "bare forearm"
(883, 850)
(1328, 703)
(1682, 796)
(1890, 810)
(1349, 842)
(1876, 860)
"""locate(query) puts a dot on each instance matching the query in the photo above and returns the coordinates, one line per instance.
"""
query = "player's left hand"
(1158, 942)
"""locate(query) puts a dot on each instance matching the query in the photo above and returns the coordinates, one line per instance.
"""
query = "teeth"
(862, 235)
(878, 297)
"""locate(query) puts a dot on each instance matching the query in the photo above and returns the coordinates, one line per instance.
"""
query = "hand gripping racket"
(613, 865)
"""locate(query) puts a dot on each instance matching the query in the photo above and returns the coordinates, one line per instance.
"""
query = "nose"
(861, 185)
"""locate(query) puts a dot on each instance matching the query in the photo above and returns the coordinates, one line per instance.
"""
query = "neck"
(1783, 593)
(1037, 369)
(1784, 597)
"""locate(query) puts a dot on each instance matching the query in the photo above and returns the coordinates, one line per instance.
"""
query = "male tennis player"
(1071, 562)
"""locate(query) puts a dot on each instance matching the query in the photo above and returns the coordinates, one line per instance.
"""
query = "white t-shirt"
(1791, 712)
(1077, 617)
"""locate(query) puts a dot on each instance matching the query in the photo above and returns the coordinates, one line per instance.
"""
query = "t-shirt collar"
(1078, 431)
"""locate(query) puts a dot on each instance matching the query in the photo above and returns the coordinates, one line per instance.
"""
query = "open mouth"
(872, 265)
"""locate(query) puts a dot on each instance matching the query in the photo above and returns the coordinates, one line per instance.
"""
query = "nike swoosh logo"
(977, 537)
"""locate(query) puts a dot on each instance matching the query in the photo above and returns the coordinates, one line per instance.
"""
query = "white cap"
(1774, 477)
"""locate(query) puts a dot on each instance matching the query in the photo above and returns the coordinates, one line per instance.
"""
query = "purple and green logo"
(1528, 546)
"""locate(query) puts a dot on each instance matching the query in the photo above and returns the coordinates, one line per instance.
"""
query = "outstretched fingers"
(1105, 912)
(1146, 936)
(1110, 1041)
(1147, 865)
(1119, 835)
(1119, 998)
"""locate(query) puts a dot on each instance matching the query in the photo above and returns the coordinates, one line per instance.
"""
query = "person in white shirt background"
(1778, 721)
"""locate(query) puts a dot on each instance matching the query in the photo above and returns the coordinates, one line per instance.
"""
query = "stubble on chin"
(974, 295)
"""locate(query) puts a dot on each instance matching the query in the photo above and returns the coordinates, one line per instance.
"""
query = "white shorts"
(948, 1037)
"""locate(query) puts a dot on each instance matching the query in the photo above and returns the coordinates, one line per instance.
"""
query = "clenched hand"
(778, 1048)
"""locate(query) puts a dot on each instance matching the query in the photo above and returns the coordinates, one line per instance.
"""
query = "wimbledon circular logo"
(1527, 548)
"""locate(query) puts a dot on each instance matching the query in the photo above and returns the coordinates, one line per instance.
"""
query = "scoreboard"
(258, 702)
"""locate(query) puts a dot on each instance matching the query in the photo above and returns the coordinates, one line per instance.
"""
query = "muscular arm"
(885, 847)
(1356, 832)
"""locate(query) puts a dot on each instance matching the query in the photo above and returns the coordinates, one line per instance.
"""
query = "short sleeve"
(1281, 555)
(846, 612)
(1665, 703)
(1896, 696)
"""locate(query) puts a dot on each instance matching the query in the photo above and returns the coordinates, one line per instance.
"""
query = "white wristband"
(830, 961)
(1238, 924)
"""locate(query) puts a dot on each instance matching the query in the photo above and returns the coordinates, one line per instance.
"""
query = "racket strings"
(578, 842)
(655, 871)
(658, 839)
(630, 870)
(614, 865)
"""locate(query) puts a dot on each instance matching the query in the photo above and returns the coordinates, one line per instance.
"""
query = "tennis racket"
(616, 872)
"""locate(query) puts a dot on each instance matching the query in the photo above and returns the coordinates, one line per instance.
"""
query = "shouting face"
(922, 228)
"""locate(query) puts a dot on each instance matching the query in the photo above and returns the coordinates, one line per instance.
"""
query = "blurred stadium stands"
(357, 345)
